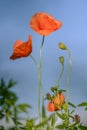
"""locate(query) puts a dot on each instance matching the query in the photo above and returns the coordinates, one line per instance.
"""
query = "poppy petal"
(22, 49)
(44, 23)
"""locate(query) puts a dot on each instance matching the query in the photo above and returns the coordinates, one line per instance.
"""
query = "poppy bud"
(77, 118)
(62, 46)
(54, 88)
(61, 59)
(48, 96)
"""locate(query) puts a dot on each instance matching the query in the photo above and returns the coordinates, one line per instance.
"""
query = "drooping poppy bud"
(62, 46)
(48, 96)
(61, 59)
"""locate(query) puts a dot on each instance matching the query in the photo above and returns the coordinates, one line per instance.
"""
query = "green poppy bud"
(48, 96)
(54, 88)
(62, 46)
(61, 59)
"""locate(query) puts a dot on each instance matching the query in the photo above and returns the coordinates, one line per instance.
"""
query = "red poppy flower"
(44, 23)
(57, 103)
(22, 49)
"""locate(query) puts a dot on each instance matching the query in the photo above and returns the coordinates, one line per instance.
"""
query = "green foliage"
(72, 105)
(83, 104)
(7, 99)
(83, 127)
(10, 110)
(1, 128)
(23, 107)
(43, 111)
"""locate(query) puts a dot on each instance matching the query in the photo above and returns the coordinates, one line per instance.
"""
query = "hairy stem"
(40, 88)
(61, 73)
(67, 84)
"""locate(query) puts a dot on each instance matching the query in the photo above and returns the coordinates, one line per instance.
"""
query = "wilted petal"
(22, 49)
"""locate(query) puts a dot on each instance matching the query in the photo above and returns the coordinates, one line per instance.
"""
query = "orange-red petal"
(22, 49)
(44, 24)
(59, 99)
(51, 107)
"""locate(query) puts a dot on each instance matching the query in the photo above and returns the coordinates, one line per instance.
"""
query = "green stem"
(40, 78)
(34, 60)
(67, 84)
(61, 73)
(39, 67)
(8, 120)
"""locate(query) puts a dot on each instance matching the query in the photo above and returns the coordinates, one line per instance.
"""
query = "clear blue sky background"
(14, 24)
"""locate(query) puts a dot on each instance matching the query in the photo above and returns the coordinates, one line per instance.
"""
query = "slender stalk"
(61, 73)
(67, 84)
(8, 120)
(40, 77)
(39, 67)
(34, 60)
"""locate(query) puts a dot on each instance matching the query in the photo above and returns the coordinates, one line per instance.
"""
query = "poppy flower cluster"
(56, 102)
(43, 24)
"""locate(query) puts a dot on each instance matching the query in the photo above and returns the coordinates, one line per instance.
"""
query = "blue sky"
(14, 24)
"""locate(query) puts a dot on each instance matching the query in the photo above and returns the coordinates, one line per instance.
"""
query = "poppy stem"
(43, 40)
(67, 84)
(40, 88)
(59, 77)
(34, 60)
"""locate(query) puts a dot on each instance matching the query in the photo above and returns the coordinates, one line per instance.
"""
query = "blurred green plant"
(10, 110)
